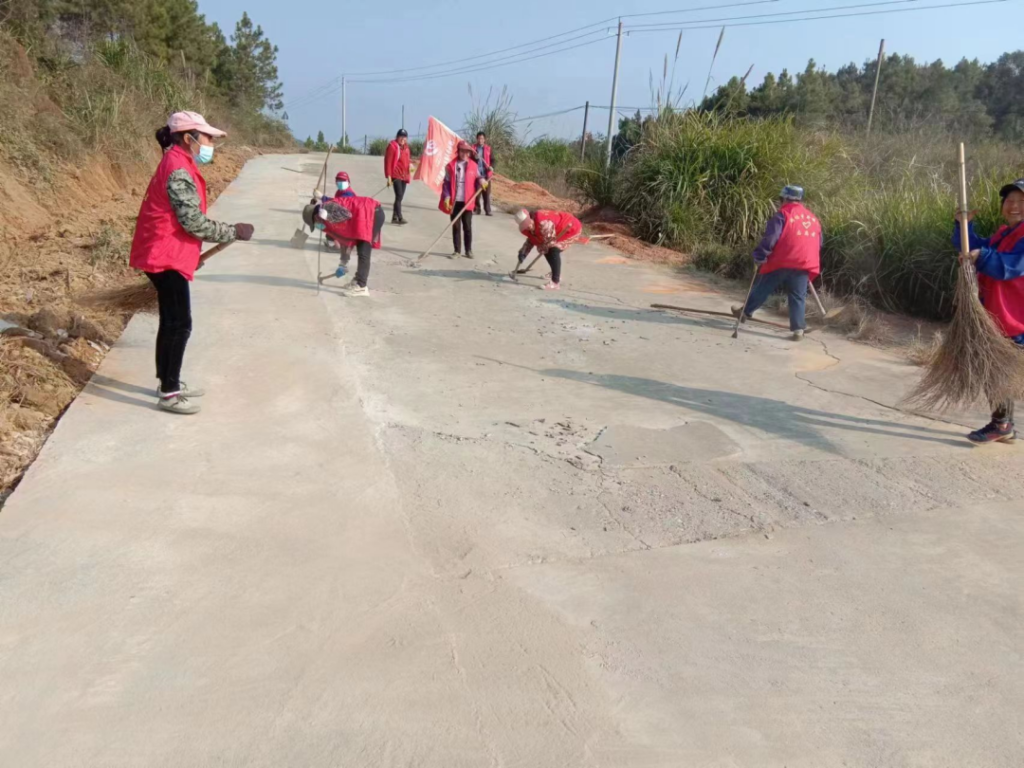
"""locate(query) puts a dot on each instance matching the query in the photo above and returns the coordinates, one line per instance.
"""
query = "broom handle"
(965, 238)
(213, 252)
(451, 224)
(817, 299)
(323, 173)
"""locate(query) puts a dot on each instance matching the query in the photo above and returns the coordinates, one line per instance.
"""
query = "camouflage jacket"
(184, 197)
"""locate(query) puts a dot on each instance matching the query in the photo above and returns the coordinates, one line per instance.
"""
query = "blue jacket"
(991, 262)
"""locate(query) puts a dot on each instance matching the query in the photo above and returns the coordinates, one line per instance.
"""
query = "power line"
(332, 86)
(695, 25)
(769, 15)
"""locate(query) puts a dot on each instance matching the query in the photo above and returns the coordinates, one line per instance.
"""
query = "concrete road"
(468, 523)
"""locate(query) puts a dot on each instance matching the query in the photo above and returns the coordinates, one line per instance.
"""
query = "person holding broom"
(788, 256)
(352, 221)
(398, 171)
(169, 232)
(344, 189)
(458, 196)
(999, 261)
(550, 232)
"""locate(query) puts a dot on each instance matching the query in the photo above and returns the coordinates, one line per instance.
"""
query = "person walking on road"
(789, 256)
(397, 169)
(352, 221)
(999, 261)
(458, 197)
(551, 233)
(169, 232)
(485, 168)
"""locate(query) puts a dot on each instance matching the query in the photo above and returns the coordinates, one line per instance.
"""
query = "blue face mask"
(343, 185)
(205, 155)
(321, 226)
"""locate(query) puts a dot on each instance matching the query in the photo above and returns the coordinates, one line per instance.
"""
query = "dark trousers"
(1003, 412)
(364, 250)
(485, 197)
(795, 282)
(463, 226)
(400, 187)
(175, 326)
(554, 257)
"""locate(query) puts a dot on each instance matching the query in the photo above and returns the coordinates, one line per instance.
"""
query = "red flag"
(438, 151)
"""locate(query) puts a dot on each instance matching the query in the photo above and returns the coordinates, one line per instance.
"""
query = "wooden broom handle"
(451, 224)
(965, 238)
(213, 252)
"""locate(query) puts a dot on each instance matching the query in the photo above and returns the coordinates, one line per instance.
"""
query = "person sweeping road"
(999, 261)
(459, 195)
(344, 189)
(789, 257)
(352, 221)
(169, 232)
(397, 169)
(551, 233)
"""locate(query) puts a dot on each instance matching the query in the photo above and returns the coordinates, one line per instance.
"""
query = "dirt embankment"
(597, 220)
(57, 241)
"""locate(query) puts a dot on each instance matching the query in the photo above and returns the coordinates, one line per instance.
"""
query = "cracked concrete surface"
(465, 522)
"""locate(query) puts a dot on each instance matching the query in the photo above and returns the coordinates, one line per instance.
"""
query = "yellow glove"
(448, 204)
(484, 184)
(389, 181)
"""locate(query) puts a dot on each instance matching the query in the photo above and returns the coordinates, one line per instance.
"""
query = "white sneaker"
(356, 290)
(798, 335)
(179, 404)
(185, 391)
(553, 286)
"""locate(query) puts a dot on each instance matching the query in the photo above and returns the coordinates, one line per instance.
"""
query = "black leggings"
(554, 257)
(175, 326)
(396, 213)
(1003, 412)
(364, 250)
(466, 223)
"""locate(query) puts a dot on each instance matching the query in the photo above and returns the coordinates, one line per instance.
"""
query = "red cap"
(342, 176)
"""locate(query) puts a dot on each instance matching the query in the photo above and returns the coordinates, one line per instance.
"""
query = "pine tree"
(248, 69)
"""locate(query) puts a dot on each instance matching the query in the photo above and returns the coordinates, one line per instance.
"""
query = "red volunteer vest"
(448, 189)
(799, 247)
(486, 149)
(1004, 299)
(566, 226)
(360, 226)
(397, 161)
(160, 243)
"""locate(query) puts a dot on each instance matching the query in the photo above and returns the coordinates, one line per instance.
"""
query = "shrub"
(378, 147)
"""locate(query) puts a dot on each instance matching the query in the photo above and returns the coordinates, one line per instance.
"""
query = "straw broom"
(975, 360)
(140, 297)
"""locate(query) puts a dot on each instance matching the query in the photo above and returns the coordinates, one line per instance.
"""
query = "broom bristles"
(140, 297)
(975, 360)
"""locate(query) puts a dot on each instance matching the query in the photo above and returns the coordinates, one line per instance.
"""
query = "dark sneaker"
(469, 255)
(402, 222)
(996, 432)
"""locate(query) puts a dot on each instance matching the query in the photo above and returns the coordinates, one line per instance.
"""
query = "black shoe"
(488, 214)
(995, 432)
(402, 222)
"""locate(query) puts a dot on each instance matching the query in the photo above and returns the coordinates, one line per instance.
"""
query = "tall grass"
(706, 184)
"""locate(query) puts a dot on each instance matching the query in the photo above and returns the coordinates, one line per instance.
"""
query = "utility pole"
(344, 115)
(365, 144)
(583, 140)
(615, 88)
(403, 117)
(874, 93)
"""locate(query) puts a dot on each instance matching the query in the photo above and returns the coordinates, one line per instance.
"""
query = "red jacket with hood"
(160, 242)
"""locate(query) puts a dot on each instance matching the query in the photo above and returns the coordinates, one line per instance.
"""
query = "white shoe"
(356, 290)
(798, 335)
(185, 391)
(553, 286)
(179, 404)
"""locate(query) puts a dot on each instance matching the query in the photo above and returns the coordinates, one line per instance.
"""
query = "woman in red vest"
(397, 169)
(550, 232)
(351, 221)
(789, 256)
(1000, 263)
(169, 233)
(458, 196)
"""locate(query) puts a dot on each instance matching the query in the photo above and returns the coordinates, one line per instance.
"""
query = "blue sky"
(315, 48)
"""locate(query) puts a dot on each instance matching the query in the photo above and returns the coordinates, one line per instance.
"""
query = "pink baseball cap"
(192, 121)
